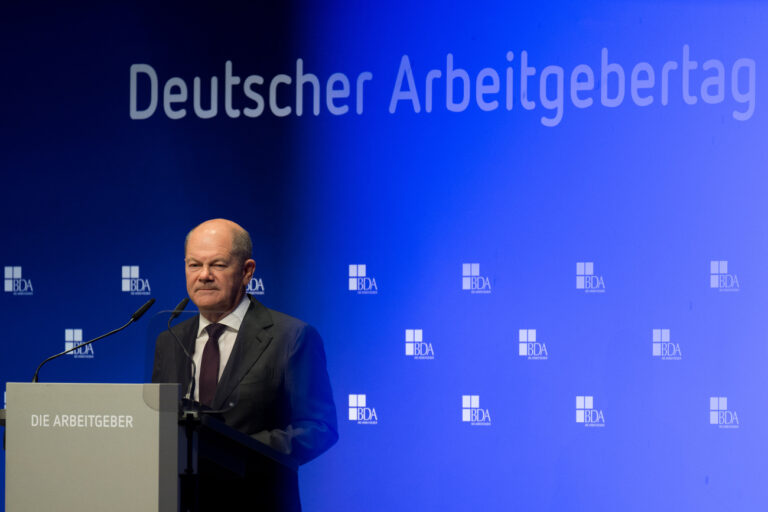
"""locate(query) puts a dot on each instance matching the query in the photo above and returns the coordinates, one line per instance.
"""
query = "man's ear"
(248, 268)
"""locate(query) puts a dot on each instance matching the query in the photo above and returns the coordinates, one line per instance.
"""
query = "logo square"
(466, 269)
(665, 335)
(409, 335)
(361, 270)
(8, 285)
(723, 267)
(475, 269)
(722, 403)
(465, 415)
(353, 283)
(465, 400)
(8, 272)
(126, 272)
(714, 267)
(474, 401)
(656, 349)
(353, 271)
(713, 418)
(409, 349)
(579, 402)
(353, 413)
(466, 283)
(418, 335)
(714, 281)
(126, 285)
(713, 403)
(588, 402)
(580, 416)
(523, 349)
(580, 282)
(589, 268)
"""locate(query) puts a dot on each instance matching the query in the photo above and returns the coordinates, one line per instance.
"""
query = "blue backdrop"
(531, 235)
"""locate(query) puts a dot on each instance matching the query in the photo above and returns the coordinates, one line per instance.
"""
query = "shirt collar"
(233, 320)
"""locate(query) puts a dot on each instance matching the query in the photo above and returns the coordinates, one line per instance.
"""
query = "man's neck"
(215, 316)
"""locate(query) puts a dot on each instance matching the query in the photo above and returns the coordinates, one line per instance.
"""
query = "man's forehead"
(209, 243)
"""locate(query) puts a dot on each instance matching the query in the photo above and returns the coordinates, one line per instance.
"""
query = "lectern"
(127, 447)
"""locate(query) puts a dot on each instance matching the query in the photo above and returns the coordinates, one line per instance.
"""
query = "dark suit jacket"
(276, 377)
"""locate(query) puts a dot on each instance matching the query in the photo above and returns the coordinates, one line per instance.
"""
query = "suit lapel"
(187, 334)
(252, 339)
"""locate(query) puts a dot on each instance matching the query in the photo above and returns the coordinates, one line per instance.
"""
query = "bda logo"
(664, 348)
(16, 284)
(255, 286)
(74, 338)
(132, 283)
(587, 280)
(360, 282)
(720, 278)
(416, 346)
(472, 413)
(472, 280)
(360, 412)
(529, 347)
(720, 415)
(587, 414)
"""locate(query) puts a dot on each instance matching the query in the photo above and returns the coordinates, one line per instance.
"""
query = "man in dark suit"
(266, 369)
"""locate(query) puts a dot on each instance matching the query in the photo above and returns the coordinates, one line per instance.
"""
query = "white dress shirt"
(226, 341)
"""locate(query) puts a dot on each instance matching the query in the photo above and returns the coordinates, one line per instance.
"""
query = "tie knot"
(214, 331)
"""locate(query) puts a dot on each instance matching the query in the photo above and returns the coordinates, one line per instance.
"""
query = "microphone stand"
(138, 314)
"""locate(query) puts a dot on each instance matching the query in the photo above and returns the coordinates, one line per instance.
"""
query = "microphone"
(176, 312)
(179, 308)
(138, 314)
(143, 309)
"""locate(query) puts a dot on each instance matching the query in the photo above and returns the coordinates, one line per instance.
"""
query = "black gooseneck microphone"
(191, 406)
(134, 317)
(179, 309)
(195, 407)
(176, 313)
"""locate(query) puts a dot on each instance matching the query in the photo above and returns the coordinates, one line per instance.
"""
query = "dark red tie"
(209, 368)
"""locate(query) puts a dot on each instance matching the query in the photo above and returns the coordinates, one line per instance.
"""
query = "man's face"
(215, 279)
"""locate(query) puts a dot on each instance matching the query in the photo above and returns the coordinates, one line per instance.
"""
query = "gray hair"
(242, 247)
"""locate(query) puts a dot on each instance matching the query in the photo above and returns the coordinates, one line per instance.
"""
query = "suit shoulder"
(287, 321)
(281, 324)
(180, 329)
